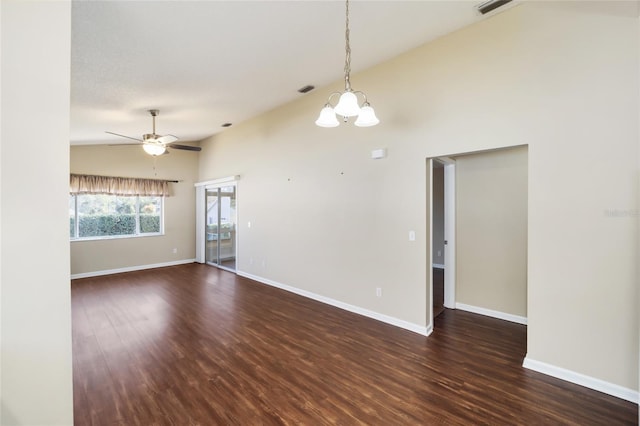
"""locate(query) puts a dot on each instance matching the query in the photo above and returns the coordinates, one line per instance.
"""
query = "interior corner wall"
(491, 230)
(36, 301)
(638, 212)
(438, 216)
(560, 77)
(93, 256)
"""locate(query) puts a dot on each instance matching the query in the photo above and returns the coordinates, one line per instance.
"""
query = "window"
(115, 207)
(94, 216)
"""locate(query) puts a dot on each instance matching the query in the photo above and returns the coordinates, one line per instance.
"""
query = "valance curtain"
(88, 184)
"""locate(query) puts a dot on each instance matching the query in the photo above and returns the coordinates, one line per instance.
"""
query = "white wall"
(438, 215)
(561, 78)
(88, 257)
(36, 312)
(491, 230)
(0, 219)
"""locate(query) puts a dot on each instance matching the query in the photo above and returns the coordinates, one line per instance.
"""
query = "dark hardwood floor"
(438, 291)
(191, 344)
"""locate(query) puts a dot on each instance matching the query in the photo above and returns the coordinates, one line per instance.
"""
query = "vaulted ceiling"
(205, 63)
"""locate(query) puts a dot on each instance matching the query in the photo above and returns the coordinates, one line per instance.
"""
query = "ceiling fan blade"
(185, 147)
(123, 136)
(167, 139)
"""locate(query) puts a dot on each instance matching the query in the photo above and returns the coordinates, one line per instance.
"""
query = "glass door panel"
(221, 227)
(227, 236)
(211, 240)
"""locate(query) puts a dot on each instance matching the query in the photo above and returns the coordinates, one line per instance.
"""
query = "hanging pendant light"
(347, 105)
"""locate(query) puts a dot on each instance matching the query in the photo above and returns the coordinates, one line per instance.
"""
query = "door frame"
(201, 215)
(449, 232)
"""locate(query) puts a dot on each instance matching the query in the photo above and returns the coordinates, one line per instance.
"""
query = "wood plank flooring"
(438, 291)
(194, 345)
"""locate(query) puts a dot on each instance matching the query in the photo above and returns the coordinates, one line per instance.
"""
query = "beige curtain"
(88, 184)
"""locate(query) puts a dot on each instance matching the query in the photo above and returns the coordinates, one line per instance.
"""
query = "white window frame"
(137, 234)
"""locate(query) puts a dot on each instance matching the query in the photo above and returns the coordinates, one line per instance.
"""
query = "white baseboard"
(582, 380)
(425, 331)
(437, 265)
(130, 269)
(491, 313)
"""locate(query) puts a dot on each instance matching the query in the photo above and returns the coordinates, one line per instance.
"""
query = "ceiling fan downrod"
(152, 137)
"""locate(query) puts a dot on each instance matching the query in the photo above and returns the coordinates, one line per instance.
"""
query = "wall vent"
(306, 88)
(491, 5)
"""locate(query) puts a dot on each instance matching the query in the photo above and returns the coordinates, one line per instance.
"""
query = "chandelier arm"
(363, 95)
(347, 58)
(331, 96)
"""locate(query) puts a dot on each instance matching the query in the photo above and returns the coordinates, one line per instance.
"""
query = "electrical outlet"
(412, 235)
(439, 253)
(175, 250)
(379, 292)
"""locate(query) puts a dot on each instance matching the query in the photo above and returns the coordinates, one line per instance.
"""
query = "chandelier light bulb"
(347, 105)
(327, 118)
(367, 117)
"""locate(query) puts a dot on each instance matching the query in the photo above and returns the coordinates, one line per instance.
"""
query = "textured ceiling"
(204, 63)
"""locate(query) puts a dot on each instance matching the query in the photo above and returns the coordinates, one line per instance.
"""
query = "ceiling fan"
(154, 144)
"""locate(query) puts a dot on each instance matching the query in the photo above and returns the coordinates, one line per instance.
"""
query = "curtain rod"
(128, 177)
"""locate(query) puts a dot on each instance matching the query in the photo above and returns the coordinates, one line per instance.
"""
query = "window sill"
(115, 237)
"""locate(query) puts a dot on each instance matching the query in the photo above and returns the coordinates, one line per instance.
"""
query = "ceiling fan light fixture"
(154, 144)
(154, 149)
(150, 138)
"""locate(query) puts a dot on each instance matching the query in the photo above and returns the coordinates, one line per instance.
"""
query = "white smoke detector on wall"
(377, 154)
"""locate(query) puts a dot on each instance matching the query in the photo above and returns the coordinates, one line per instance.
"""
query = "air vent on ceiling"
(491, 5)
(306, 88)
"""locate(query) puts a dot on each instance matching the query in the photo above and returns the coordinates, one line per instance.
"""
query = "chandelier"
(348, 104)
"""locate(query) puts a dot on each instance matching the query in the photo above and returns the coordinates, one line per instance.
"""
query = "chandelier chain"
(347, 59)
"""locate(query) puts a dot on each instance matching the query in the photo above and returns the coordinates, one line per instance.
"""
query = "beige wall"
(438, 215)
(561, 78)
(34, 241)
(179, 208)
(491, 230)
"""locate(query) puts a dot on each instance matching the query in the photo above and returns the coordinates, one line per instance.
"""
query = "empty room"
(223, 212)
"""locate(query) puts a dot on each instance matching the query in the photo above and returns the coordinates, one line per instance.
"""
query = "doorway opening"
(438, 240)
(442, 234)
(477, 247)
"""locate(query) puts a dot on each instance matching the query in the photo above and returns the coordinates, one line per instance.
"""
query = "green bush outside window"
(103, 216)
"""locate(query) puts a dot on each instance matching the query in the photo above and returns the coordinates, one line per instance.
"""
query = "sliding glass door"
(220, 227)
